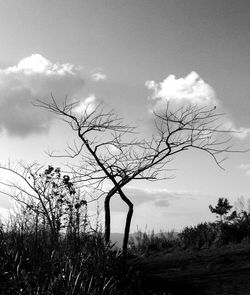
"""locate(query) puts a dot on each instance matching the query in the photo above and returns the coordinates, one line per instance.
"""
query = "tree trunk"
(128, 220)
(107, 218)
(127, 227)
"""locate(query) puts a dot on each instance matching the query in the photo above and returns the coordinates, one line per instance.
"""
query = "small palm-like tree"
(222, 208)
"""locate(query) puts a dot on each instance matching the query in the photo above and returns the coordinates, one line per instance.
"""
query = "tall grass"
(143, 243)
(82, 264)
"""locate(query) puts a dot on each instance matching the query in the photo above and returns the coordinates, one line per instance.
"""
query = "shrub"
(200, 236)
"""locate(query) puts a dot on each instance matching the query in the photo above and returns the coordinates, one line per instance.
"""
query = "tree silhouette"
(108, 150)
(222, 208)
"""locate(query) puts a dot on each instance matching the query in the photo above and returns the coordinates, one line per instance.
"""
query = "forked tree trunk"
(108, 218)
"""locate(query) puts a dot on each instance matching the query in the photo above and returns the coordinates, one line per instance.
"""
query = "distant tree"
(108, 153)
(222, 208)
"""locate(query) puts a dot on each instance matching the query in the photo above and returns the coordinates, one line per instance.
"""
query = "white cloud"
(39, 64)
(112, 149)
(98, 76)
(240, 133)
(190, 89)
(246, 168)
(87, 105)
(34, 77)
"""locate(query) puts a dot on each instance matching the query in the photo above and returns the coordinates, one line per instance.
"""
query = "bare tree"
(109, 153)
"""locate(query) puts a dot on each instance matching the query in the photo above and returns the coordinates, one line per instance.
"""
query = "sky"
(133, 56)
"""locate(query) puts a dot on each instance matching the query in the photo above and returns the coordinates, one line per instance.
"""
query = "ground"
(223, 271)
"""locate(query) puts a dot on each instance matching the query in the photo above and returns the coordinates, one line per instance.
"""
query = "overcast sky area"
(133, 56)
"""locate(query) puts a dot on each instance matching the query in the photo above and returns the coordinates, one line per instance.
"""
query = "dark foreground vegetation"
(30, 264)
(210, 258)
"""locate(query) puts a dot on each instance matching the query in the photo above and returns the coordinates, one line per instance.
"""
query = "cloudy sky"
(134, 56)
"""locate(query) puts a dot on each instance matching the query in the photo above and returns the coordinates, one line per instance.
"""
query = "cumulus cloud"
(38, 64)
(98, 76)
(34, 77)
(86, 105)
(190, 89)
